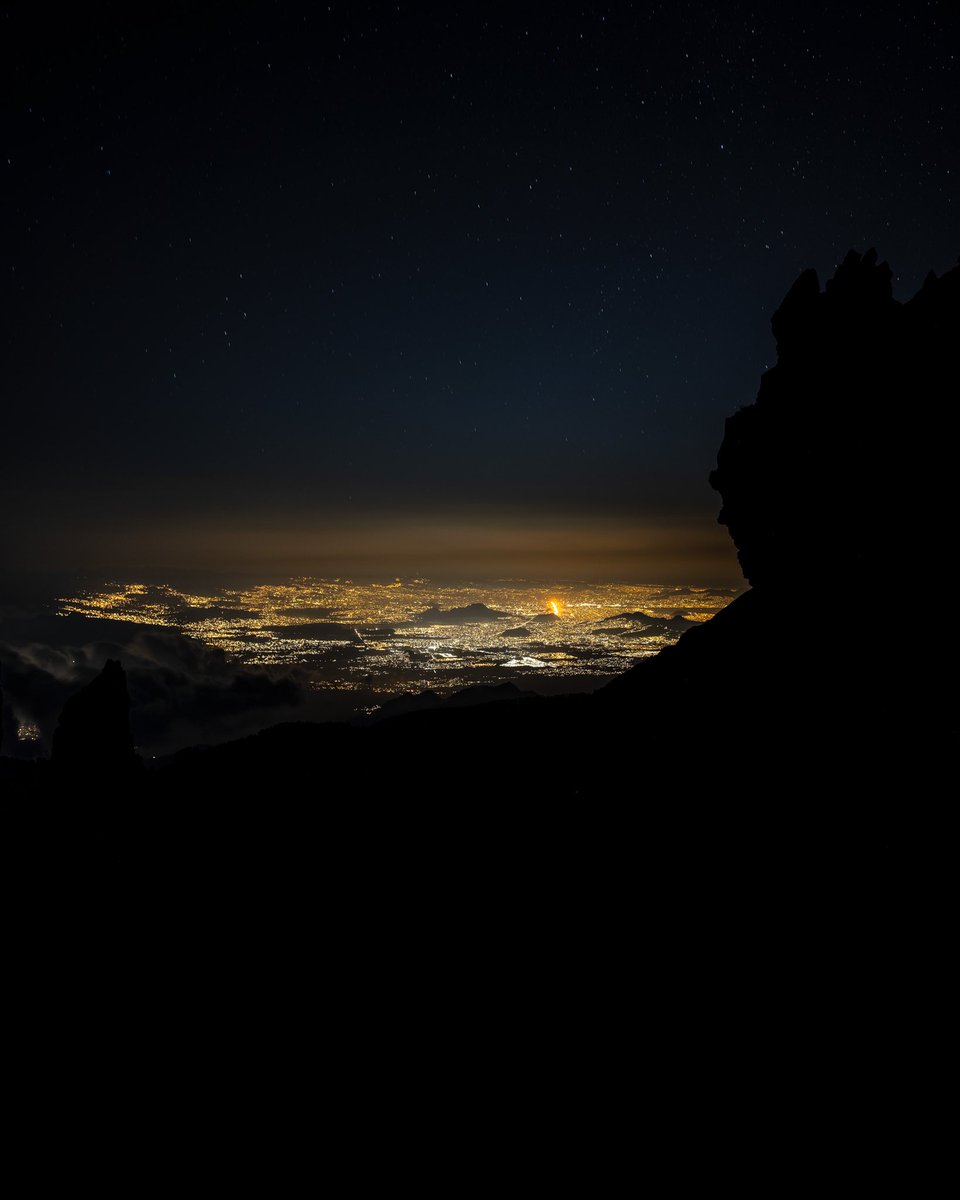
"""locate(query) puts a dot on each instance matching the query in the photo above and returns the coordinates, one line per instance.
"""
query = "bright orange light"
(555, 606)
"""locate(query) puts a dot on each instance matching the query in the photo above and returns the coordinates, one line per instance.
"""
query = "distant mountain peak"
(470, 614)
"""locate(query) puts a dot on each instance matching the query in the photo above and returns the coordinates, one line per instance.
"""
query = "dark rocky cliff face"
(827, 475)
(93, 733)
(832, 483)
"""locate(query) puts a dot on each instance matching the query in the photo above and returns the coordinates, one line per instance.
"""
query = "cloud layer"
(181, 691)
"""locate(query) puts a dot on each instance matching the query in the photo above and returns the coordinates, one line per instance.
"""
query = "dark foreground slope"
(743, 743)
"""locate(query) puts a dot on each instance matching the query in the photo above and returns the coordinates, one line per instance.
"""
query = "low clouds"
(181, 691)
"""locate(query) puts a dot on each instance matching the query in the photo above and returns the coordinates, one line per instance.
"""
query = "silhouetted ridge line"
(470, 614)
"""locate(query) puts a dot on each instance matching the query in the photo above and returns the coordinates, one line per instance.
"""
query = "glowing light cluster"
(350, 635)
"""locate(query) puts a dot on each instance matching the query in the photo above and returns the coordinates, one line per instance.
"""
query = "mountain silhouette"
(678, 622)
(470, 614)
(642, 617)
(320, 631)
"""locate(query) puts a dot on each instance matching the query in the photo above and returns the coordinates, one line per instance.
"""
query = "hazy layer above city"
(455, 546)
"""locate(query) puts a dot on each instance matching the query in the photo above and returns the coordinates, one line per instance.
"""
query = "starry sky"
(409, 288)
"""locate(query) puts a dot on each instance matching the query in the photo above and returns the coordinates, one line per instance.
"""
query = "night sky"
(423, 289)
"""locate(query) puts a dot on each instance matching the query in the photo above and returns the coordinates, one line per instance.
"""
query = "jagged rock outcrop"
(827, 475)
(93, 732)
(831, 482)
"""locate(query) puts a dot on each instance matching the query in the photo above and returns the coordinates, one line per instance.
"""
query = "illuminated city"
(383, 639)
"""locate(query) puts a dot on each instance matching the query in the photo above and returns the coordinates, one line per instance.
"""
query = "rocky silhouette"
(829, 483)
(827, 474)
(93, 733)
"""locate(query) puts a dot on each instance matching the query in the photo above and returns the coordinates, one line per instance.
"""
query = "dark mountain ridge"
(469, 614)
